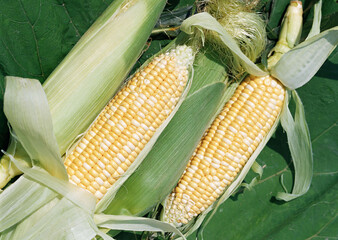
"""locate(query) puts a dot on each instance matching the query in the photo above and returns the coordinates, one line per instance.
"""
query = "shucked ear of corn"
(125, 126)
(92, 72)
(233, 137)
(240, 132)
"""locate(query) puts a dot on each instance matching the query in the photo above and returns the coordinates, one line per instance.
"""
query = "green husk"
(72, 223)
(315, 29)
(93, 71)
(29, 196)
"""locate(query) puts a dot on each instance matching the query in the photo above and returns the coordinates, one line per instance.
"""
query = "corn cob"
(227, 145)
(128, 122)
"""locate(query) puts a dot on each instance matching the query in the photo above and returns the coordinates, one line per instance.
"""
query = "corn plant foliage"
(35, 35)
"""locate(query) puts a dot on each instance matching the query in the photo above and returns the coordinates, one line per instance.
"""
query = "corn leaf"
(300, 147)
(26, 108)
(206, 21)
(299, 65)
(134, 223)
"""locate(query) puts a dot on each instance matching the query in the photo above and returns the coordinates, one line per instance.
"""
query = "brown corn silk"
(225, 148)
(128, 122)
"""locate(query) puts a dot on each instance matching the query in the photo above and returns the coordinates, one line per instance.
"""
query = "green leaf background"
(35, 35)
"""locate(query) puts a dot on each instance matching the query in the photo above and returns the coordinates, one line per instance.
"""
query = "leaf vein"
(34, 36)
(71, 20)
(320, 230)
(325, 131)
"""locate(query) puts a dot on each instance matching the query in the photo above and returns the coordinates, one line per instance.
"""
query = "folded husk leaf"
(26, 108)
(204, 21)
(300, 64)
(317, 18)
(300, 146)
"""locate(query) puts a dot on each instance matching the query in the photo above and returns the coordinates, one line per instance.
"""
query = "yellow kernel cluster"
(225, 148)
(127, 123)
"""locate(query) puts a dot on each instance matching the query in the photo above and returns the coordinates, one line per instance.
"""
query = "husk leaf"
(21, 199)
(204, 21)
(317, 17)
(59, 219)
(121, 222)
(26, 108)
(300, 147)
(300, 64)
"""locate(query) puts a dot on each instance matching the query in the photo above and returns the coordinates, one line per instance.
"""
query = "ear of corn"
(237, 136)
(225, 148)
(126, 125)
(93, 71)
